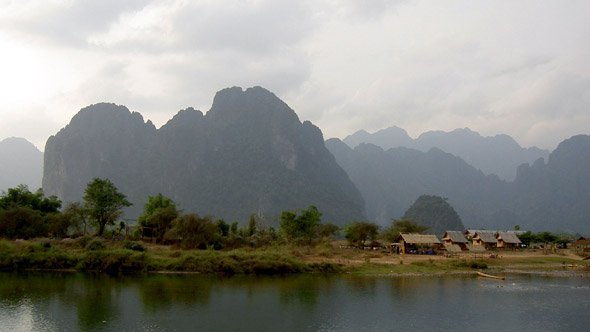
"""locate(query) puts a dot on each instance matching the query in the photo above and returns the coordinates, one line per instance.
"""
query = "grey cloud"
(70, 23)
(260, 28)
(564, 96)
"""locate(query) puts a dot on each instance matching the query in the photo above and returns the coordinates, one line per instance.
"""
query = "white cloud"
(515, 67)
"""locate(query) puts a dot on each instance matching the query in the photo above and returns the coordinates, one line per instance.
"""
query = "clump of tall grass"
(470, 264)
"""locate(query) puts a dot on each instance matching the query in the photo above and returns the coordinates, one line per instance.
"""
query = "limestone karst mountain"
(248, 154)
(20, 163)
(499, 154)
(544, 196)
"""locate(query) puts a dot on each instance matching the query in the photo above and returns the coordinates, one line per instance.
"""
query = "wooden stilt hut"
(418, 243)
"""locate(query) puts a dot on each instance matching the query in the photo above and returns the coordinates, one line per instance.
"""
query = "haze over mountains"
(251, 154)
(544, 196)
(248, 154)
(20, 163)
(499, 155)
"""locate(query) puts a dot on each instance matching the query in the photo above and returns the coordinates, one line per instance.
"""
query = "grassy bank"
(88, 254)
(114, 258)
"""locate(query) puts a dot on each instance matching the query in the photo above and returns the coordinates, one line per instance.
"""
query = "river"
(82, 302)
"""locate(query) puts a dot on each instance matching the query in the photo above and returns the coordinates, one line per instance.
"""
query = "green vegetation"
(300, 228)
(103, 202)
(360, 232)
(157, 217)
(115, 258)
(25, 215)
(46, 238)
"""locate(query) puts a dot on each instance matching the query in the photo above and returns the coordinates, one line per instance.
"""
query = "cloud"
(511, 67)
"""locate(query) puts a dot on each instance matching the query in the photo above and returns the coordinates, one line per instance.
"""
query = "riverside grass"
(114, 257)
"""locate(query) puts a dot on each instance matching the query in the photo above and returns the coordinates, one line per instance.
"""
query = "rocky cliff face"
(248, 154)
(20, 163)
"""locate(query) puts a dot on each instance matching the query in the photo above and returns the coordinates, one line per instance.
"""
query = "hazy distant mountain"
(551, 196)
(435, 213)
(248, 154)
(392, 180)
(20, 163)
(499, 155)
(557, 192)
(392, 137)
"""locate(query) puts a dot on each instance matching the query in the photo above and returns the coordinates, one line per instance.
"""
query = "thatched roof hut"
(455, 238)
(486, 239)
(414, 243)
(507, 240)
(582, 244)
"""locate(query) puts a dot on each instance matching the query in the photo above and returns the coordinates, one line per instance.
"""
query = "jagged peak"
(256, 101)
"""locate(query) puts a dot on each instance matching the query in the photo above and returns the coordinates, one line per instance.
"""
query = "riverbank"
(136, 257)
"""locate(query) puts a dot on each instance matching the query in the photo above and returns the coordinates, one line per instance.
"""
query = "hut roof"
(508, 237)
(419, 238)
(486, 236)
(583, 240)
(455, 236)
(452, 248)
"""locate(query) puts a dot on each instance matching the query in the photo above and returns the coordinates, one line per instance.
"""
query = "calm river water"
(72, 302)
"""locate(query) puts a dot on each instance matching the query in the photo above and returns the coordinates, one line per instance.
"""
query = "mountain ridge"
(499, 154)
(249, 153)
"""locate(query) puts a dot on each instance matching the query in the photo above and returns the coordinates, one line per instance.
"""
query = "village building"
(455, 238)
(426, 244)
(507, 240)
(582, 244)
(484, 239)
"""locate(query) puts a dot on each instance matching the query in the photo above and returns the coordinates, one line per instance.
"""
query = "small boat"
(485, 275)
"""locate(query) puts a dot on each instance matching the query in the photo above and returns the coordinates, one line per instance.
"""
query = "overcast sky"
(515, 67)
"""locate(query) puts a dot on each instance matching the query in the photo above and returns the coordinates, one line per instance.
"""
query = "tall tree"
(104, 203)
(300, 228)
(157, 217)
(359, 232)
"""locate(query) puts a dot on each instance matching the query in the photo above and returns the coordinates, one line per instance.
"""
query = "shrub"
(95, 244)
(471, 264)
(113, 261)
(134, 245)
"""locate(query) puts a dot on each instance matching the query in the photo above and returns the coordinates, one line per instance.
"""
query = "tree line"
(25, 214)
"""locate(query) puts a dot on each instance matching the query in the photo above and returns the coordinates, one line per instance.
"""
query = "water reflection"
(331, 303)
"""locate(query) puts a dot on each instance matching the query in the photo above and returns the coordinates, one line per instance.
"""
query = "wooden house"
(507, 240)
(455, 238)
(582, 244)
(418, 243)
(485, 239)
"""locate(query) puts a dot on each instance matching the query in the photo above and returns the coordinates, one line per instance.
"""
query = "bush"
(471, 264)
(134, 245)
(113, 262)
(96, 244)
(83, 241)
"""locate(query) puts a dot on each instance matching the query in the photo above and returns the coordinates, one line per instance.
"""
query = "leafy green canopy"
(21, 196)
(300, 228)
(359, 232)
(24, 214)
(103, 203)
(192, 231)
(157, 217)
